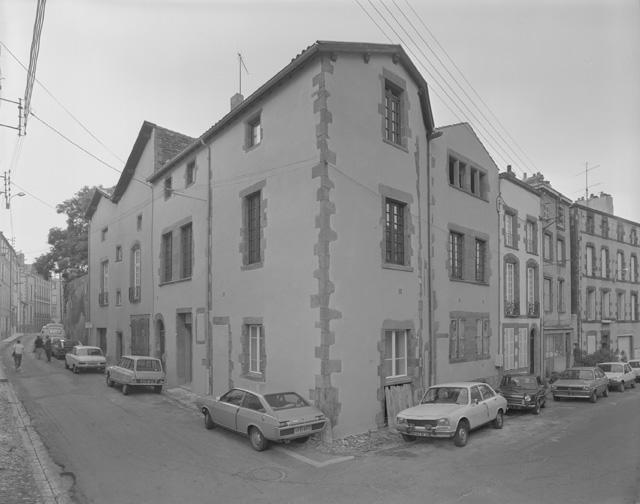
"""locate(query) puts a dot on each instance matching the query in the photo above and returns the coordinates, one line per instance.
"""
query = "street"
(147, 448)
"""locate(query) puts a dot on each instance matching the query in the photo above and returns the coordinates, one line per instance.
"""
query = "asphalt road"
(146, 448)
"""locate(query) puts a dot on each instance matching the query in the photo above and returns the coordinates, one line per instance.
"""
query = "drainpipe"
(209, 293)
(499, 203)
(432, 339)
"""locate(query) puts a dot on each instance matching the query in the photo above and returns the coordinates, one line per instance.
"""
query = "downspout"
(499, 203)
(431, 339)
(209, 293)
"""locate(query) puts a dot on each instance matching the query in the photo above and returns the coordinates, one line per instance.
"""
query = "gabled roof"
(440, 129)
(320, 47)
(98, 194)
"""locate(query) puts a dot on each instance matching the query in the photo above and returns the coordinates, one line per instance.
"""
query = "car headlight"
(527, 398)
(401, 420)
(443, 422)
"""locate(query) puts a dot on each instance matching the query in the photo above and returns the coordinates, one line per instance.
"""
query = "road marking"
(315, 464)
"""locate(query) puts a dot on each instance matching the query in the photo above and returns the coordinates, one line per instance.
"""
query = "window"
(190, 173)
(392, 113)
(482, 338)
(620, 266)
(168, 187)
(118, 297)
(466, 177)
(395, 353)
(530, 237)
(590, 223)
(455, 254)
(604, 262)
(253, 228)
(605, 227)
(118, 253)
(254, 131)
(605, 308)
(620, 306)
(167, 257)
(634, 306)
(633, 237)
(546, 295)
(560, 216)
(590, 260)
(560, 257)
(136, 275)
(462, 175)
(103, 296)
(516, 352)
(394, 232)
(481, 247)
(456, 339)
(103, 233)
(547, 247)
(186, 251)
(633, 269)
(591, 304)
(511, 289)
(532, 301)
(452, 170)
(561, 305)
(256, 342)
(620, 232)
(139, 222)
(509, 230)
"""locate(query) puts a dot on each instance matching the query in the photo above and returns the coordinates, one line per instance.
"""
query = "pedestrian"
(623, 356)
(18, 350)
(47, 348)
(38, 347)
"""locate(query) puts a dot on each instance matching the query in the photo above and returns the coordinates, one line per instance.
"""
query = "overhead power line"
(33, 60)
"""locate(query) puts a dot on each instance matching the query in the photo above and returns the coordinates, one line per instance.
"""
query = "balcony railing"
(134, 294)
(103, 298)
(511, 308)
(533, 309)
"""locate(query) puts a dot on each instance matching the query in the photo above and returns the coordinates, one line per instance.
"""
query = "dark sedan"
(61, 347)
(525, 392)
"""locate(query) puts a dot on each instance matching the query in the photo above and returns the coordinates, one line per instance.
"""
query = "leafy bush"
(602, 355)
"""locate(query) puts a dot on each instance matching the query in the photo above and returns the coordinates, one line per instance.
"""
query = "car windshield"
(577, 374)
(519, 381)
(285, 400)
(611, 368)
(634, 364)
(148, 365)
(451, 395)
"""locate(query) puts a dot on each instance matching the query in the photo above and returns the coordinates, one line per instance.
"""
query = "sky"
(550, 86)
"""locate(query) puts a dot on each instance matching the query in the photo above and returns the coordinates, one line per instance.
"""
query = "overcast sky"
(548, 86)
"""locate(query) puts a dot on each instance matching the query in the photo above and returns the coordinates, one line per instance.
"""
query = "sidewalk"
(27, 474)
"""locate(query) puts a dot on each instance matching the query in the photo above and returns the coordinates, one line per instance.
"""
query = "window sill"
(397, 380)
(170, 282)
(469, 193)
(249, 148)
(397, 146)
(472, 282)
(397, 267)
(252, 266)
(257, 377)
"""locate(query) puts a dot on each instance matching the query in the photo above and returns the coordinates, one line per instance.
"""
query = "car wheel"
(301, 440)
(258, 441)
(498, 421)
(109, 381)
(125, 389)
(605, 392)
(157, 389)
(408, 437)
(594, 396)
(621, 387)
(461, 436)
(536, 409)
(208, 421)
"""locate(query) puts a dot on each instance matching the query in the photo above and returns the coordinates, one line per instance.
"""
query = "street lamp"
(8, 200)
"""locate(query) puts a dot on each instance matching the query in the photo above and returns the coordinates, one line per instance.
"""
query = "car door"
(225, 410)
(478, 411)
(629, 375)
(251, 412)
(601, 380)
(490, 400)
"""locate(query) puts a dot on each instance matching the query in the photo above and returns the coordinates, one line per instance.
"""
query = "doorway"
(118, 345)
(532, 351)
(160, 343)
(184, 348)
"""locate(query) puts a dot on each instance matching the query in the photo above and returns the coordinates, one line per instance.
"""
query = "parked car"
(524, 391)
(451, 410)
(61, 347)
(581, 382)
(274, 416)
(136, 371)
(85, 358)
(620, 375)
(635, 365)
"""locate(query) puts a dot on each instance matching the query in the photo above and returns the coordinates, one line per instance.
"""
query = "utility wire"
(87, 130)
(34, 196)
(33, 59)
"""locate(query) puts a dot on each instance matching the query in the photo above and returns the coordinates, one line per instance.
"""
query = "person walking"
(38, 347)
(18, 350)
(47, 348)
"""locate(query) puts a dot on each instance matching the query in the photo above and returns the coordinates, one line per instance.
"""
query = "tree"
(69, 247)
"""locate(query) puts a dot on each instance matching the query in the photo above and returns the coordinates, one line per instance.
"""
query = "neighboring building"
(464, 259)
(309, 261)
(32, 304)
(605, 280)
(121, 259)
(521, 248)
(56, 299)
(559, 324)
(9, 278)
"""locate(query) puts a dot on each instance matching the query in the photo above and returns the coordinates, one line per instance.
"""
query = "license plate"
(299, 430)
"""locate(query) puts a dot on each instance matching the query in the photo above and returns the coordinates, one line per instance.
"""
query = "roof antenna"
(241, 65)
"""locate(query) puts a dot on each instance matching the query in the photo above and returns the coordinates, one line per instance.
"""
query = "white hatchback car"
(85, 358)
(635, 365)
(620, 374)
(136, 371)
(451, 410)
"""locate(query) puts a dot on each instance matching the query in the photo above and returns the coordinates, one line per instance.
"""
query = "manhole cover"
(267, 474)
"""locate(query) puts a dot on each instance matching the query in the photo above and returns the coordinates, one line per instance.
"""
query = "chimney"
(509, 169)
(524, 176)
(236, 100)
